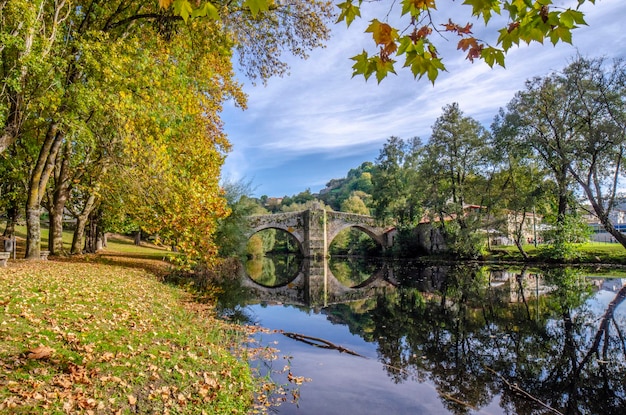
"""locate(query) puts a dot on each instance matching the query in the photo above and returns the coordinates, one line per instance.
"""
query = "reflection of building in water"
(610, 284)
(517, 287)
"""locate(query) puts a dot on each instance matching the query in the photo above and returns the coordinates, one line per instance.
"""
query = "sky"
(302, 130)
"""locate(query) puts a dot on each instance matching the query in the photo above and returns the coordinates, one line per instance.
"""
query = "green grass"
(103, 334)
(118, 244)
(115, 339)
(587, 253)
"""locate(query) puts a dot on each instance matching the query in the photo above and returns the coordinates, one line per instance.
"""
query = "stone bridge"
(315, 229)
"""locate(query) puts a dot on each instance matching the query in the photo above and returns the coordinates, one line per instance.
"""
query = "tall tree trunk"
(59, 198)
(36, 189)
(77, 239)
(9, 131)
(93, 242)
(13, 214)
(519, 234)
(564, 196)
(81, 223)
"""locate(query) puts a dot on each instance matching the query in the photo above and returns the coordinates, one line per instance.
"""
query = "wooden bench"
(4, 257)
(43, 255)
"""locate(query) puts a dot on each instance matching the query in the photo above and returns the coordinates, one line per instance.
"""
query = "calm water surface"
(406, 338)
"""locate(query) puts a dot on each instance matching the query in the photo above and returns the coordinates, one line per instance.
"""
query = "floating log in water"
(317, 342)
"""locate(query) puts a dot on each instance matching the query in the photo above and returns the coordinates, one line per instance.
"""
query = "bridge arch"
(287, 230)
(290, 222)
(372, 233)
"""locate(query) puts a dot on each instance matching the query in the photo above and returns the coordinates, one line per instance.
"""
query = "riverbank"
(89, 336)
(599, 253)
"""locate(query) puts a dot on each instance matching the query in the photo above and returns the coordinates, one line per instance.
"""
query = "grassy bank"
(586, 253)
(83, 336)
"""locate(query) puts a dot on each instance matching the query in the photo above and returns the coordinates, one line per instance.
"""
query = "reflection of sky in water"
(346, 384)
(341, 383)
(605, 292)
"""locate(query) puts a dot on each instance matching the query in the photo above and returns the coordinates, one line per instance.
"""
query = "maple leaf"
(164, 4)
(40, 353)
(474, 52)
(381, 32)
(465, 30)
(424, 31)
(492, 56)
(450, 26)
(256, 6)
(348, 12)
(467, 43)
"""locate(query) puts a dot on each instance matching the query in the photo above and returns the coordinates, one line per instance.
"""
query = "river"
(405, 337)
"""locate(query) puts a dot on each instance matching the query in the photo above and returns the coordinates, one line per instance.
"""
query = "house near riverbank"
(500, 230)
(617, 218)
(529, 224)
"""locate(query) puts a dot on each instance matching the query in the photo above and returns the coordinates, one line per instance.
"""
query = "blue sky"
(314, 125)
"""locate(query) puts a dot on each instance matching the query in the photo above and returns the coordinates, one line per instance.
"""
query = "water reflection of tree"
(273, 271)
(466, 338)
(353, 271)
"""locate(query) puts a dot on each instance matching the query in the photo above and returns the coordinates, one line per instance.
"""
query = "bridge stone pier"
(315, 229)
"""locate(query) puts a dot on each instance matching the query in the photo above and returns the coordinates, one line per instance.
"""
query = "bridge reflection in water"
(311, 282)
(315, 285)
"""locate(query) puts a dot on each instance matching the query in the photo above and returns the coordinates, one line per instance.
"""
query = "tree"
(357, 180)
(599, 93)
(70, 66)
(422, 28)
(520, 189)
(574, 121)
(355, 204)
(231, 231)
(303, 197)
(455, 157)
(396, 195)
(30, 31)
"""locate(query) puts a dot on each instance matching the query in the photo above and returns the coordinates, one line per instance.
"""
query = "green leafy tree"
(598, 91)
(455, 160)
(303, 197)
(574, 122)
(30, 31)
(520, 188)
(357, 180)
(232, 230)
(532, 113)
(396, 194)
(355, 204)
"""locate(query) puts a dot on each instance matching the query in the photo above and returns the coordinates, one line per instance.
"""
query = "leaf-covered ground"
(89, 337)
